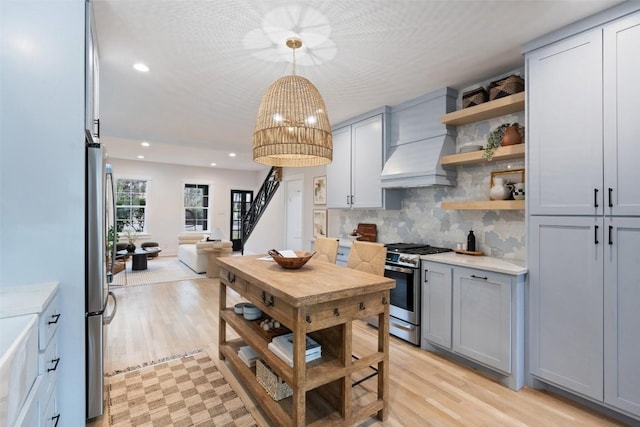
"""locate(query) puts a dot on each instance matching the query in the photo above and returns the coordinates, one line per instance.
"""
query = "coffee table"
(139, 257)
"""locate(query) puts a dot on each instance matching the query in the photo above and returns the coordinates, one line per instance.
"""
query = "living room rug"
(188, 391)
(159, 270)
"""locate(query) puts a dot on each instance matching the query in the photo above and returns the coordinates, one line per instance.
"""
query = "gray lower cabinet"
(436, 303)
(482, 317)
(343, 255)
(585, 300)
(476, 314)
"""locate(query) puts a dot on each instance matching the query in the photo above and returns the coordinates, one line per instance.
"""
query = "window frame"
(145, 230)
(208, 208)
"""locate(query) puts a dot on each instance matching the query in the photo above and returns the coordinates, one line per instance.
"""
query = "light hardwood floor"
(156, 321)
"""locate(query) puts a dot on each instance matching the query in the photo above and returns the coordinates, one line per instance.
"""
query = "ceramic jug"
(500, 190)
(511, 136)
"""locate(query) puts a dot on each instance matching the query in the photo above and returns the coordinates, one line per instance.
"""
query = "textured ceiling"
(211, 61)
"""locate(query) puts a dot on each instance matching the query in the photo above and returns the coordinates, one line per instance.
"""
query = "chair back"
(326, 249)
(368, 257)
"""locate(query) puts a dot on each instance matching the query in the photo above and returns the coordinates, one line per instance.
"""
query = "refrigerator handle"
(107, 319)
(114, 238)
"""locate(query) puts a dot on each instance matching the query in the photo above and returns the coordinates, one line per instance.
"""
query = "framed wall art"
(319, 223)
(320, 190)
(513, 176)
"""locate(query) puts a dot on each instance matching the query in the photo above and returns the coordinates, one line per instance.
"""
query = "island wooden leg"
(383, 366)
(299, 370)
(222, 325)
(347, 360)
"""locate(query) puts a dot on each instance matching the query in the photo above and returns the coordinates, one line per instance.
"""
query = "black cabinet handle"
(55, 366)
(611, 234)
(56, 418)
(362, 307)
(55, 318)
(595, 235)
(478, 277)
(595, 197)
(348, 199)
(231, 277)
(610, 198)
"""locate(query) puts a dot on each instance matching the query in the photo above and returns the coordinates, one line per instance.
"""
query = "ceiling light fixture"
(292, 128)
(145, 144)
(141, 157)
(213, 164)
(141, 67)
(232, 154)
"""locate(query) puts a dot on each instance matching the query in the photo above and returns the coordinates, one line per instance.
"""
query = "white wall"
(164, 220)
(42, 152)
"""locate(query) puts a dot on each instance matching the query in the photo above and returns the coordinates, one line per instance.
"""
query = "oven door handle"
(399, 269)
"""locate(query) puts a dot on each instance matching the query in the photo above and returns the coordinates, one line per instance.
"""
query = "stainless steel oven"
(403, 265)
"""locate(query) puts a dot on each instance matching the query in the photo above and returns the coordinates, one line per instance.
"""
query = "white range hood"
(418, 140)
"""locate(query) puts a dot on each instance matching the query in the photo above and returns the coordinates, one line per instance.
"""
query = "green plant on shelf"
(494, 139)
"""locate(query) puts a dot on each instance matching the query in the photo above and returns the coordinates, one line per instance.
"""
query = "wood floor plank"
(156, 321)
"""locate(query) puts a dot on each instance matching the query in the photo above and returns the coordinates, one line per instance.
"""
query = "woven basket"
(274, 385)
(474, 97)
(505, 87)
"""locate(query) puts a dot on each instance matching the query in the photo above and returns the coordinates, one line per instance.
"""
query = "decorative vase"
(500, 190)
(131, 247)
(511, 136)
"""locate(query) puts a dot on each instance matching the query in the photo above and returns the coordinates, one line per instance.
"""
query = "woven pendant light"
(292, 128)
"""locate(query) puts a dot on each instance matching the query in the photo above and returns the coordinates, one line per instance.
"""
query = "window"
(196, 207)
(131, 204)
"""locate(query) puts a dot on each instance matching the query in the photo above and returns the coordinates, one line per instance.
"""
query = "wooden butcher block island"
(320, 300)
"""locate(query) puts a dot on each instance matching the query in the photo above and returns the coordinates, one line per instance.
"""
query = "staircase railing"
(260, 203)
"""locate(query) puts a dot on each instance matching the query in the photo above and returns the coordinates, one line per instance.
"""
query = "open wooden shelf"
(485, 205)
(500, 153)
(497, 107)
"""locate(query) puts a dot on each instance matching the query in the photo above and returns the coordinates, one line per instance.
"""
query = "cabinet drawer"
(48, 359)
(48, 323)
(271, 305)
(49, 403)
(324, 315)
(29, 415)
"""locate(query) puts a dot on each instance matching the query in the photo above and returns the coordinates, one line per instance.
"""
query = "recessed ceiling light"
(232, 154)
(141, 67)
(145, 144)
(213, 164)
(141, 157)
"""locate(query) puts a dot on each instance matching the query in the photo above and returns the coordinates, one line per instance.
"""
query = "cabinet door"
(436, 303)
(366, 164)
(622, 321)
(566, 303)
(482, 317)
(339, 170)
(564, 129)
(621, 124)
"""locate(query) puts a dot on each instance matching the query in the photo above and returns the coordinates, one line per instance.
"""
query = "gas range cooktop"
(408, 254)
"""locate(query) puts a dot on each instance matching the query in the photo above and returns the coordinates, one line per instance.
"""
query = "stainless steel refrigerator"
(99, 253)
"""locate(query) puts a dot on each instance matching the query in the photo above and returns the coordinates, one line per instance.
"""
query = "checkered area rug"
(183, 392)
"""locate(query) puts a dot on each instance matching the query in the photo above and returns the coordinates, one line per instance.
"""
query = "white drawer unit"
(38, 407)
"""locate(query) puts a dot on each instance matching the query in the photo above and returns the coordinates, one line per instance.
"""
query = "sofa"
(191, 250)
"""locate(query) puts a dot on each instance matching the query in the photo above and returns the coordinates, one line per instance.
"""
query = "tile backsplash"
(498, 233)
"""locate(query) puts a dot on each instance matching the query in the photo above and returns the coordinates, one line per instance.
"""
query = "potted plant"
(494, 139)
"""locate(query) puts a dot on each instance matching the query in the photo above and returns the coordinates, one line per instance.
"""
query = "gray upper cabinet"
(353, 178)
(621, 109)
(565, 127)
(583, 128)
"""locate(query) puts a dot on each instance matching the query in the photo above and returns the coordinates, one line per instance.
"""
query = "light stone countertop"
(26, 299)
(498, 265)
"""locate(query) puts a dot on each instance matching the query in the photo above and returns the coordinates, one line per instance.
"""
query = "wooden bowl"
(291, 263)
